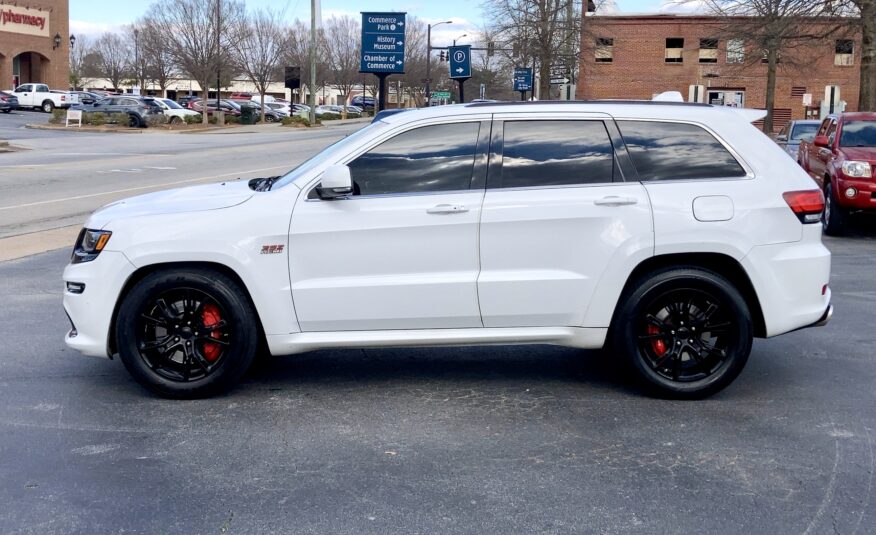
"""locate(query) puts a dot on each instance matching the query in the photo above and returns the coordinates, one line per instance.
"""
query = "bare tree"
(261, 48)
(298, 54)
(341, 50)
(114, 57)
(200, 34)
(781, 33)
(542, 33)
(78, 60)
(415, 60)
(157, 55)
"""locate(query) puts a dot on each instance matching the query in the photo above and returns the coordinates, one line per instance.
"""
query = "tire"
(160, 338)
(7, 111)
(269, 119)
(134, 121)
(655, 332)
(48, 106)
(835, 217)
(175, 120)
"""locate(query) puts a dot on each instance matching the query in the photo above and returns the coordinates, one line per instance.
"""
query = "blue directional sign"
(522, 79)
(383, 43)
(460, 61)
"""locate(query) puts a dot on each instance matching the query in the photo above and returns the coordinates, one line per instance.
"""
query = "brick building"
(34, 43)
(636, 56)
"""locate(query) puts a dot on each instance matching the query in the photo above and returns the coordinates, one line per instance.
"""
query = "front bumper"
(91, 312)
(864, 199)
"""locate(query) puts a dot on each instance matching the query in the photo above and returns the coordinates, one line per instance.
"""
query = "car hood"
(189, 199)
(866, 154)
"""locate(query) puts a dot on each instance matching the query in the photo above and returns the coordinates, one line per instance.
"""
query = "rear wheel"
(133, 121)
(685, 332)
(175, 120)
(187, 334)
(48, 106)
(835, 216)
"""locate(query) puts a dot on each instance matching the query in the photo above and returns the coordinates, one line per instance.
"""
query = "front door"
(402, 251)
(557, 216)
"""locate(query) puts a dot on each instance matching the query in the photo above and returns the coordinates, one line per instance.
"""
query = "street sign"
(460, 61)
(559, 81)
(807, 99)
(441, 95)
(522, 79)
(383, 43)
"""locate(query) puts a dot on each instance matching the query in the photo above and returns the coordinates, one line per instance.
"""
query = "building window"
(709, 50)
(735, 51)
(604, 50)
(674, 47)
(844, 52)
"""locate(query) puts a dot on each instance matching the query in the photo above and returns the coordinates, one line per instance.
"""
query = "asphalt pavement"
(464, 440)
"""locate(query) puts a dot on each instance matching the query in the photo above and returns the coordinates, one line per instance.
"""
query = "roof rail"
(607, 101)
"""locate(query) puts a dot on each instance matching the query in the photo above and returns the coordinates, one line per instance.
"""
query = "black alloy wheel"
(133, 121)
(187, 334)
(686, 332)
(835, 217)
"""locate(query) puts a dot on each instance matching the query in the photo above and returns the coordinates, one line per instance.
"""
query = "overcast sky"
(96, 16)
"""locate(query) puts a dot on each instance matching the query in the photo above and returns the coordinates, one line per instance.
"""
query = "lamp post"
(458, 38)
(429, 60)
(137, 69)
(56, 42)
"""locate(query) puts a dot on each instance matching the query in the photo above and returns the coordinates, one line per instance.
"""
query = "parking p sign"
(460, 62)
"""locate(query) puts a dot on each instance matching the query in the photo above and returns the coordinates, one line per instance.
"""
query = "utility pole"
(311, 98)
(429, 60)
(218, 56)
(137, 58)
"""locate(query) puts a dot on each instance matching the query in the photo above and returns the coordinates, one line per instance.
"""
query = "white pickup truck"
(40, 96)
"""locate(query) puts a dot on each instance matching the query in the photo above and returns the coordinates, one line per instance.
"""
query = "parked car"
(87, 97)
(187, 100)
(138, 109)
(176, 114)
(241, 95)
(674, 232)
(271, 115)
(338, 110)
(8, 102)
(39, 96)
(228, 106)
(278, 106)
(366, 103)
(791, 134)
(841, 158)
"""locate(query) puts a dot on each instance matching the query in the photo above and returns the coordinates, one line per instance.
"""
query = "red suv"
(841, 158)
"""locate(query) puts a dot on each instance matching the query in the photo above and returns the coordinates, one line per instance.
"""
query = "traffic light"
(491, 49)
(441, 56)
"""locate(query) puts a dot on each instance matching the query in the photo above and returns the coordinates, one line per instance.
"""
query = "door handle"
(447, 209)
(614, 200)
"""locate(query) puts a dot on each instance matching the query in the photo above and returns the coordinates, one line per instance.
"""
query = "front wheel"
(48, 106)
(187, 334)
(175, 120)
(835, 216)
(685, 332)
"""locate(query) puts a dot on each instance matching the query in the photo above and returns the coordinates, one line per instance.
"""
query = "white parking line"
(139, 188)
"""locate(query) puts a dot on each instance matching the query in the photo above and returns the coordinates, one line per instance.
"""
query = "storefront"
(34, 43)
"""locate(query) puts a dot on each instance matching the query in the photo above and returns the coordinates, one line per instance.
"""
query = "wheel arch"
(146, 270)
(722, 264)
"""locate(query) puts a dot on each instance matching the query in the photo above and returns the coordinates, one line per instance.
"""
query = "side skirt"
(580, 337)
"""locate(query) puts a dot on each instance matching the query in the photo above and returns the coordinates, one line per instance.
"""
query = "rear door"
(557, 216)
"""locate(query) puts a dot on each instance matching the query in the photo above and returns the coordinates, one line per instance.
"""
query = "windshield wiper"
(263, 184)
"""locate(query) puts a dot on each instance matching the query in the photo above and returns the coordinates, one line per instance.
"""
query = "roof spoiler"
(750, 114)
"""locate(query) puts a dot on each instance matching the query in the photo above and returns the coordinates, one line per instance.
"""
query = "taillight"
(807, 204)
(63, 98)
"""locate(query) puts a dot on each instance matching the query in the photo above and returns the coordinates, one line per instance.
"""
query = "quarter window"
(556, 153)
(669, 151)
(430, 158)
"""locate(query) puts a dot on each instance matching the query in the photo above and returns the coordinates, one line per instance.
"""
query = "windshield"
(858, 134)
(335, 148)
(171, 104)
(804, 131)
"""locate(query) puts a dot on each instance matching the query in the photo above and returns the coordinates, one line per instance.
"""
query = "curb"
(87, 129)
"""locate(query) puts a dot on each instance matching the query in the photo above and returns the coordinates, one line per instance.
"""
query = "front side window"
(672, 151)
(556, 153)
(23, 89)
(804, 131)
(426, 159)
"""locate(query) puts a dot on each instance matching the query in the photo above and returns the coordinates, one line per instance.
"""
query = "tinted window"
(667, 151)
(431, 158)
(556, 153)
(858, 134)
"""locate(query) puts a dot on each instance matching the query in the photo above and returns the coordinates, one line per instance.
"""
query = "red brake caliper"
(211, 316)
(657, 344)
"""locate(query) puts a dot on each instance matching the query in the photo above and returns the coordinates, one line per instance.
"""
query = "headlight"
(857, 169)
(89, 244)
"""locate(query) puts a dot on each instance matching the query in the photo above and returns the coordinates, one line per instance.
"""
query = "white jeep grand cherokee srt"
(671, 233)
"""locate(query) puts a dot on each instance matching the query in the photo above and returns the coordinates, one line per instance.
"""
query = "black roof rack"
(624, 102)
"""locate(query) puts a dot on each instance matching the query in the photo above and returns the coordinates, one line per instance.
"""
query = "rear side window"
(671, 151)
(556, 153)
(426, 159)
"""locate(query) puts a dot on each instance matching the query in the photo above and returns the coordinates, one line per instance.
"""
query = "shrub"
(58, 116)
(213, 120)
(193, 119)
(296, 120)
(156, 120)
(96, 119)
(329, 116)
(232, 119)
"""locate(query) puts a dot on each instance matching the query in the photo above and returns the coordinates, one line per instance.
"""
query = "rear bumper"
(8, 106)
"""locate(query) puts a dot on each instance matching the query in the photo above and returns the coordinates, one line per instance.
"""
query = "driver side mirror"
(337, 182)
(781, 137)
(821, 141)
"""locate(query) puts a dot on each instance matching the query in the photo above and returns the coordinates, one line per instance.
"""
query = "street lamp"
(429, 59)
(460, 37)
(57, 41)
(72, 41)
(137, 57)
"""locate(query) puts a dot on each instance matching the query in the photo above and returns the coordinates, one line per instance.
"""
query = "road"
(506, 439)
(64, 176)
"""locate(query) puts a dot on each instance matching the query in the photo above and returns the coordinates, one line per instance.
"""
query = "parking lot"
(509, 439)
